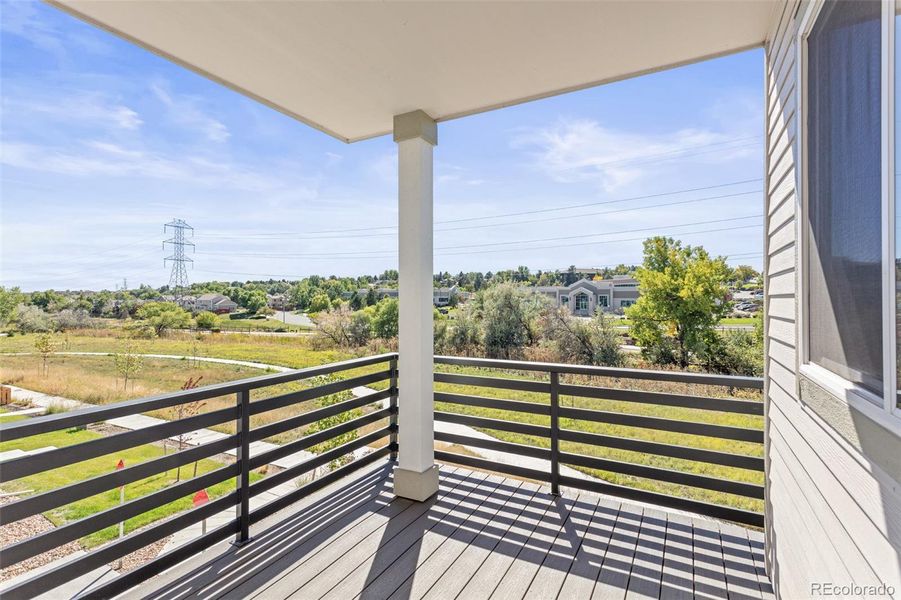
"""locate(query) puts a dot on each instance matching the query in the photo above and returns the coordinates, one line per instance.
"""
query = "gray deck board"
(709, 570)
(647, 568)
(482, 536)
(355, 571)
(483, 582)
(518, 578)
(458, 574)
(428, 572)
(558, 562)
(678, 568)
(586, 567)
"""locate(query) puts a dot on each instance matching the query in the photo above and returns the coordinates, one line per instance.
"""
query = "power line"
(389, 253)
(593, 243)
(263, 235)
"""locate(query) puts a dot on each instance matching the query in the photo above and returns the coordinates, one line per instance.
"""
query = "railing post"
(555, 433)
(392, 403)
(243, 457)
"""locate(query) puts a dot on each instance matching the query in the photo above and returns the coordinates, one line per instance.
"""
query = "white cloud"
(185, 111)
(79, 108)
(101, 158)
(584, 150)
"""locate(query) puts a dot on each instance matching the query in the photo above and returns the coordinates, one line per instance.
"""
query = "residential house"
(216, 303)
(444, 296)
(278, 301)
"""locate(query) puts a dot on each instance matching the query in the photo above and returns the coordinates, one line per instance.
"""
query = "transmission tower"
(178, 280)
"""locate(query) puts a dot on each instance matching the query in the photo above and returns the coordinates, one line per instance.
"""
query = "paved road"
(292, 318)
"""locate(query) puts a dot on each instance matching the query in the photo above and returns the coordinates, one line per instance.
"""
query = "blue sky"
(103, 142)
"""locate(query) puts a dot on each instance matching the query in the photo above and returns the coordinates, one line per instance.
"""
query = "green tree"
(371, 297)
(207, 320)
(683, 296)
(128, 362)
(319, 302)
(384, 318)
(508, 314)
(163, 316)
(254, 300)
(45, 345)
(10, 299)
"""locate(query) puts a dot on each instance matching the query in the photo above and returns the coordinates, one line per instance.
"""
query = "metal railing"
(552, 413)
(240, 469)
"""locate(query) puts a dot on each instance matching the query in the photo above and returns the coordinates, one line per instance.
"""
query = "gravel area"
(139, 557)
(25, 528)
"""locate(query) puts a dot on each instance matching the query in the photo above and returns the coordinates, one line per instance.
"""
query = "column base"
(414, 485)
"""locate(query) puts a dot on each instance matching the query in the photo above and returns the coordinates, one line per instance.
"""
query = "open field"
(299, 352)
(687, 414)
(98, 466)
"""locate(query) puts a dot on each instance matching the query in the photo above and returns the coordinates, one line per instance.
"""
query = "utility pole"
(178, 280)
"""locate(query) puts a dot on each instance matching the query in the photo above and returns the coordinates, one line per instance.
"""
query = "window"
(849, 303)
(844, 193)
(625, 303)
(603, 301)
(582, 302)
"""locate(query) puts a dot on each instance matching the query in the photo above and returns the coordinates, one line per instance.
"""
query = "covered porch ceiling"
(347, 68)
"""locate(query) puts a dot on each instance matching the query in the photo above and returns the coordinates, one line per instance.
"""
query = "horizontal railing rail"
(564, 424)
(239, 443)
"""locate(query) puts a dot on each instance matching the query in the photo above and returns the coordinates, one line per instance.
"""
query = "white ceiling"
(348, 67)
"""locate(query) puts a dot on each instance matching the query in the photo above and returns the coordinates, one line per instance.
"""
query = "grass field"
(57, 478)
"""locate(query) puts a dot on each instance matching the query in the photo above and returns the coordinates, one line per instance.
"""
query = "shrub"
(594, 342)
(69, 318)
(207, 320)
(163, 316)
(31, 319)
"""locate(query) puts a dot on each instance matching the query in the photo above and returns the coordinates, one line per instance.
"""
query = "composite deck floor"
(482, 536)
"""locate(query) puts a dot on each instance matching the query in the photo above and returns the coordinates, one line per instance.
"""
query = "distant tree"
(344, 328)
(570, 277)
(47, 300)
(683, 296)
(385, 318)
(743, 274)
(69, 318)
(508, 314)
(319, 303)
(371, 297)
(588, 342)
(128, 362)
(163, 316)
(254, 300)
(31, 319)
(207, 320)
(10, 299)
(462, 336)
(45, 345)
(356, 301)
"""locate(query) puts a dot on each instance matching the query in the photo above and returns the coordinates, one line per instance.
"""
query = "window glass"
(844, 191)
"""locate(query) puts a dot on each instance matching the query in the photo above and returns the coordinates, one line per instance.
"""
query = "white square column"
(416, 475)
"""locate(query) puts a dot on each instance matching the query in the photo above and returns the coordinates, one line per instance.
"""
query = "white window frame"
(882, 409)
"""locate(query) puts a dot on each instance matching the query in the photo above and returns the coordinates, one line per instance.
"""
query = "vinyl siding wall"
(833, 498)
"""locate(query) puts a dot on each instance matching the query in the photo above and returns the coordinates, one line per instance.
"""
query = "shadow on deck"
(482, 536)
